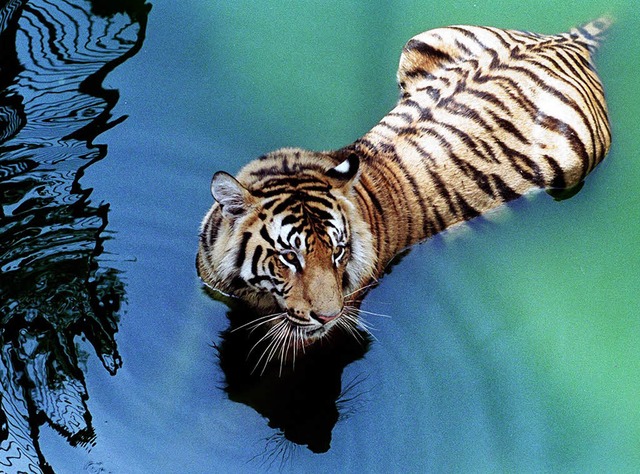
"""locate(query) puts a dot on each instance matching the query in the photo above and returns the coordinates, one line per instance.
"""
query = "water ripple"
(54, 285)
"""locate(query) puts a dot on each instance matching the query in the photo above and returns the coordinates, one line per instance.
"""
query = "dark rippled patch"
(55, 288)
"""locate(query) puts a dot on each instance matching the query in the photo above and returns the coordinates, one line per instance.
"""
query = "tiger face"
(291, 243)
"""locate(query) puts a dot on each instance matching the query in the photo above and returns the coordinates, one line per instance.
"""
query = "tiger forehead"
(301, 226)
(319, 205)
(306, 223)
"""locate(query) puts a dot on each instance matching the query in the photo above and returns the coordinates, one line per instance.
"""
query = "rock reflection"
(58, 295)
(302, 401)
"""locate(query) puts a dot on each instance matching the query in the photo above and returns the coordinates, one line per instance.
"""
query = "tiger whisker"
(353, 314)
(266, 322)
(301, 339)
(362, 288)
(350, 322)
(367, 326)
(268, 334)
(295, 334)
(274, 345)
(350, 328)
(286, 345)
(283, 349)
(266, 350)
(255, 323)
(278, 344)
(372, 313)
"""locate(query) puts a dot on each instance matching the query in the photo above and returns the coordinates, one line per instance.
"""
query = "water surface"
(511, 345)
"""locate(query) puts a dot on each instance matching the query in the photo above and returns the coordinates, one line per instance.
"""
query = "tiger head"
(288, 239)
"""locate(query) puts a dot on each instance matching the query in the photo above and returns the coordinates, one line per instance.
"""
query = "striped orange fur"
(485, 116)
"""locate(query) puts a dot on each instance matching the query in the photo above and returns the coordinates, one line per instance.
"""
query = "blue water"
(510, 345)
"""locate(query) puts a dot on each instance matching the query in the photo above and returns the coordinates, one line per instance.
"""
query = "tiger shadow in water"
(303, 399)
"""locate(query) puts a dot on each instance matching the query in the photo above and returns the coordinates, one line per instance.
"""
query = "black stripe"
(242, 251)
(587, 85)
(584, 32)
(258, 279)
(508, 127)
(266, 205)
(506, 44)
(565, 130)
(440, 223)
(441, 188)
(290, 219)
(407, 178)
(469, 35)
(462, 47)
(477, 176)
(427, 50)
(568, 74)
(488, 97)
(315, 199)
(467, 210)
(256, 259)
(527, 168)
(265, 235)
(210, 230)
(287, 202)
(558, 181)
(277, 186)
(427, 160)
(367, 196)
(298, 197)
(559, 95)
(485, 155)
(458, 108)
(319, 213)
(403, 115)
(503, 189)
(295, 230)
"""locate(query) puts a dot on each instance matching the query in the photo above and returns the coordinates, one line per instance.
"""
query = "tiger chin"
(485, 116)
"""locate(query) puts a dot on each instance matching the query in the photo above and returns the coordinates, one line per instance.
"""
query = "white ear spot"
(346, 170)
(343, 167)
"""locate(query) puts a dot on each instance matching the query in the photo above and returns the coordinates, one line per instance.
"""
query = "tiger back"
(485, 115)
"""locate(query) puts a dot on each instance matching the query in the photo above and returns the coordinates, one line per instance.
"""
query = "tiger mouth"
(313, 323)
(308, 327)
(310, 330)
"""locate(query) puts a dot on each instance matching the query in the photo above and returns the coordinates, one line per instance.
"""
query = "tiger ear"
(233, 197)
(345, 173)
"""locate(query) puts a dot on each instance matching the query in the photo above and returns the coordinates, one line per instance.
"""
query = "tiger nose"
(324, 318)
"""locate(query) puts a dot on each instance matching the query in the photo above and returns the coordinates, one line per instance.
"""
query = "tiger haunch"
(485, 116)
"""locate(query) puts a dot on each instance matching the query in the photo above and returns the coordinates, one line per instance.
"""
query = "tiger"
(484, 116)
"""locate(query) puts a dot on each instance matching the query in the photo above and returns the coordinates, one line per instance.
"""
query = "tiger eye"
(290, 257)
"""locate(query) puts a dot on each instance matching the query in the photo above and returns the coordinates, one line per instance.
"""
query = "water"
(512, 345)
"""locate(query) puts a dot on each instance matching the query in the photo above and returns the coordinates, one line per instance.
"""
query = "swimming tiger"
(484, 116)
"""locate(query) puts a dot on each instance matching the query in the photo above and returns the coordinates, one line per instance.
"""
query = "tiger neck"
(408, 196)
(391, 212)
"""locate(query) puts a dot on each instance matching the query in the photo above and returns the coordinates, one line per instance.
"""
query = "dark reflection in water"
(302, 401)
(57, 292)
